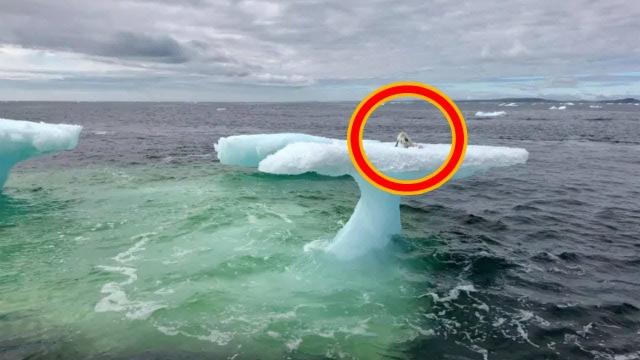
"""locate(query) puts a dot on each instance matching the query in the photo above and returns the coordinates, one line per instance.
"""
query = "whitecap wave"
(490, 114)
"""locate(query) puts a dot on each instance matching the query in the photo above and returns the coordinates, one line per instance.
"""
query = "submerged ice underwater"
(138, 243)
(375, 220)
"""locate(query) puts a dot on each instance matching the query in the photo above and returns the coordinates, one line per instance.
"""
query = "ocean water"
(140, 245)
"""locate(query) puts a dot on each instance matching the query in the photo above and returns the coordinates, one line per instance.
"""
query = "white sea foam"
(453, 293)
(421, 331)
(167, 330)
(629, 356)
(217, 337)
(115, 298)
(293, 344)
(220, 338)
(316, 245)
(130, 254)
(511, 323)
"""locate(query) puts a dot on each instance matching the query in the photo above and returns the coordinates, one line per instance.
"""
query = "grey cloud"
(309, 43)
(141, 46)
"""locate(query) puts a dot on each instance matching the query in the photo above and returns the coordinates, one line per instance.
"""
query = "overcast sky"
(255, 50)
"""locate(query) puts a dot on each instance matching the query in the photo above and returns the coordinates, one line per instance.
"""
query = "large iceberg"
(377, 215)
(20, 140)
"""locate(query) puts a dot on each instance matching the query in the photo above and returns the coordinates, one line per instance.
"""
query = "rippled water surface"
(139, 244)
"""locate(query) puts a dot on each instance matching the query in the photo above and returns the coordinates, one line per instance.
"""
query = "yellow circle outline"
(374, 108)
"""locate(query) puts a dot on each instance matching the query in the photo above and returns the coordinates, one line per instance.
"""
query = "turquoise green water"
(195, 259)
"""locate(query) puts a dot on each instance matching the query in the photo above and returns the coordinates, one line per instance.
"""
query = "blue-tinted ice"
(377, 215)
(21, 140)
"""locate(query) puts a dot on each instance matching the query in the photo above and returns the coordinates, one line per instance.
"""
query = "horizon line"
(507, 99)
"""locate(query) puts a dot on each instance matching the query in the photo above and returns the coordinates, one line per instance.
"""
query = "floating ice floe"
(377, 214)
(595, 106)
(508, 104)
(558, 107)
(490, 114)
(21, 140)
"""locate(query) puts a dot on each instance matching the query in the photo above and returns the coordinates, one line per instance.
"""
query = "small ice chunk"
(490, 114)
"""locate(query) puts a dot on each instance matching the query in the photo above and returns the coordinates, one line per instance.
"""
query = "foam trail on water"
(376, 217)
(21, 140)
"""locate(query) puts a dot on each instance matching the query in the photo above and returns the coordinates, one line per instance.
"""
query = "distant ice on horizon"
(490, 114)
